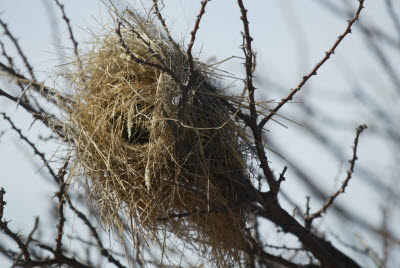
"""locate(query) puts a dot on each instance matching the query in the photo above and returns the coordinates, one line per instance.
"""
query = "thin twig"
(252, 121)
(253, 249)
(50, 121)
(15, 42)
(281, 178)
(96, 236)
(162, 21)
(18, 256)
(71, 34)
(316, 68)
(61, 201)
(2, 202)
(34, 229)
(48, 93)
(11, 64)
(331, 199)
(378, 33)
(36, 151)
(8, 232)
(191, 43)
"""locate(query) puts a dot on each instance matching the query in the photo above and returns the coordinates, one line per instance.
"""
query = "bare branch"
(20, 52)
(61, 195)
(252, 121)
(192, 39)
(96, 236)
(11, 64)
(71, 34)
(249, 56)
(8, 232)
(2, 202)
(309, 219)
(36, 151)
(162, 21)
(47, 93)
(316, 68)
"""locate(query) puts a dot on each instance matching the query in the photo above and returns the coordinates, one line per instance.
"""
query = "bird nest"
(157, 155)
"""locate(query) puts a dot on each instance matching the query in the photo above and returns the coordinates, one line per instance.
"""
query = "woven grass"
(146, 160)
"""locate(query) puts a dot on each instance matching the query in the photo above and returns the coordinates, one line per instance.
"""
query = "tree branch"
(20, 52)
(309, 219)
(191, 43)
(316, 68)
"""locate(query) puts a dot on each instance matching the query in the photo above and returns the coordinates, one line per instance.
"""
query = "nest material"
(143, 156)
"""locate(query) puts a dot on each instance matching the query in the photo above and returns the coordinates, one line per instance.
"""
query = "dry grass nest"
(152, 164)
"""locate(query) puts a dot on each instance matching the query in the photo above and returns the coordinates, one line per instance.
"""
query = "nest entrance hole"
(134, 128)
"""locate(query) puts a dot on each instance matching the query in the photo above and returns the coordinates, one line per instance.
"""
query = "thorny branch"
(2, 202)
(316, 68)
(71, 34)
(162, 21)
(192, 39)
(309, 219)
(275, 259)
(36, 150)
(257, 131)
(44, 91)
(61, 194)
(11, 65)
(96, 236)
(17, 46)
(59, 258)
(326, 254)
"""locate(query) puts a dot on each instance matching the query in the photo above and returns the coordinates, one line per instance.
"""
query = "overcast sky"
(290, 37)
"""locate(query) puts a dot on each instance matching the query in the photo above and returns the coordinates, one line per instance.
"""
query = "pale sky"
(290, 37)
